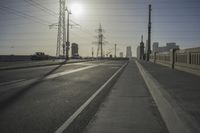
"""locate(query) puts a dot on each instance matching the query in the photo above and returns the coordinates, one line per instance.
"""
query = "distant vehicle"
(39, 56)
(76, 56)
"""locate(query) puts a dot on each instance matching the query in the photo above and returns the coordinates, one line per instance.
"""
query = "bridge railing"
(186, 60)
(161, 58)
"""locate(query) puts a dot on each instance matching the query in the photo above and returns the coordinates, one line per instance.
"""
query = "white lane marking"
(50, 66)
(23, 82)
(12, 82)
(20, 83)
(64, 126)
(68, 72)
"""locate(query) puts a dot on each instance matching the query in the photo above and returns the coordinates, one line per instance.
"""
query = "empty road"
(41, 99)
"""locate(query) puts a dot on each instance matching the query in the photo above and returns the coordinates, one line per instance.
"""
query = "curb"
(177, 120)
(81, 117)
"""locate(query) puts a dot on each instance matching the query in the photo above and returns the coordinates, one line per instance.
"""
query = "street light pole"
(149, 35)
(115, 50)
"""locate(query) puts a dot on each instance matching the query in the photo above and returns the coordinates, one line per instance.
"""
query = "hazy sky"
(24, 25)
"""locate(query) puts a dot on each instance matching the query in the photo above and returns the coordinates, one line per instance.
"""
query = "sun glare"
(76, 9)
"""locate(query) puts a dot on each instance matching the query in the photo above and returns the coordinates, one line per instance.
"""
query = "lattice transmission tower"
(61, 38)
(100, 41)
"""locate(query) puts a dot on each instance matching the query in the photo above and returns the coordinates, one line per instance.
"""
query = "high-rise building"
(155, 46)
(146, 48)
(128, 52)
(138, 52)
(74, 50)
(121, 54)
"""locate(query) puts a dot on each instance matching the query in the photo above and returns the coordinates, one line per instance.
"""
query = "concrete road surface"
(40, 100)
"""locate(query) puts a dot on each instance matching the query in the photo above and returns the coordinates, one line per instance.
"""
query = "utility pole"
(67, 43)
(115, 50)
(92, 52)
(149, 34)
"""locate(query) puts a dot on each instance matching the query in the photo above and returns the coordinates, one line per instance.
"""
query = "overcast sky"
(24, 25)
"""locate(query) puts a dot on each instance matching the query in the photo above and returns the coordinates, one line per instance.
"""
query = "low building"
(166, 48)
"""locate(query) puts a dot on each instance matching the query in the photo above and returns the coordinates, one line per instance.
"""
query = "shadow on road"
(8, 99)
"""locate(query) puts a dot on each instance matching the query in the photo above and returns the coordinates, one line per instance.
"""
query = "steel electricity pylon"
(100, 41)
(61, 37)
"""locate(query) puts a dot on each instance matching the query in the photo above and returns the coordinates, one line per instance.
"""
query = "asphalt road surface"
(40, 100)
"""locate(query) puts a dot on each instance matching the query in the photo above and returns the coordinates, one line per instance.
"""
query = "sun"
(76, 9)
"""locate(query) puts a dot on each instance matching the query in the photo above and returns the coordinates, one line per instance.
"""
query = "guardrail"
(186, 59)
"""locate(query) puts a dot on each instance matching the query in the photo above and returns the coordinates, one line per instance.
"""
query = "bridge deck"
(129, 108)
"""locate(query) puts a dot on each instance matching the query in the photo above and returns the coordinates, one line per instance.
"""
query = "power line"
(124, 21)
(132, 15)
(24, 15)
(24, 33)
(141, 2)
(138, 8)
(41, 7)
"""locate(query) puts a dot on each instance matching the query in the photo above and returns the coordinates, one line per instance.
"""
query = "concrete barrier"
(187, 60)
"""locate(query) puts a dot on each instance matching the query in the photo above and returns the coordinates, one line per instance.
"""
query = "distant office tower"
(128, 52)
(155, 46)
(146, 48)
(74, 49)
(138, 52)
(121, 54)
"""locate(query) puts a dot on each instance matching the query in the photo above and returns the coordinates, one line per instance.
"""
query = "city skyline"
(25, 24)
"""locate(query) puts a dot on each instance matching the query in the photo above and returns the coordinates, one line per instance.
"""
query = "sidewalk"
(129, 107)
(181, 90)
